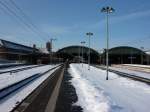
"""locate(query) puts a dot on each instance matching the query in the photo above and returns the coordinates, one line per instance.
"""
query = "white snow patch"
(89, 97)
(7, 104)
(137, 65)
(6, 79)
(118, 94)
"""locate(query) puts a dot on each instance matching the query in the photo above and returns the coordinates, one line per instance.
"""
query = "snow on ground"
(137, 65)
(7, 104)
(7, 79)
(132, 72)
(118, 94)
(2, 64)
(14, 68)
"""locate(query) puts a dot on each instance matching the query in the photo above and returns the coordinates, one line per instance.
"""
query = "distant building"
(49, 46)
(125, 55)
(14, 51)
(74, 53)
(117, 55)
(148, 57)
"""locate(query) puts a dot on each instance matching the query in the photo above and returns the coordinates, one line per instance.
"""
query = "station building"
(117, 55)
(74, 53)
(14, 51)
(125, 55)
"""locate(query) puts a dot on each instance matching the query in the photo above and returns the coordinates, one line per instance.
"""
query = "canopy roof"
(125, 50)
(76, 49)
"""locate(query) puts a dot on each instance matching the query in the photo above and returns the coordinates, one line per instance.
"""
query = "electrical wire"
(28, 19)
(14, 13)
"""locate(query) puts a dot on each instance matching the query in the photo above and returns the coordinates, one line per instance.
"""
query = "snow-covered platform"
(118, 94)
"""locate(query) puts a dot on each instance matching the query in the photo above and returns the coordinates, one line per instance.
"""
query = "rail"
(138, 78)
(20, 69)
(14, 87)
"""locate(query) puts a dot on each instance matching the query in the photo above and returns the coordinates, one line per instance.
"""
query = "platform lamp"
(107, 10)
(89, 34)
(82, 43)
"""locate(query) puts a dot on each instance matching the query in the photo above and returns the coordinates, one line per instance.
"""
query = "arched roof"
(75, 49)
(125, 50)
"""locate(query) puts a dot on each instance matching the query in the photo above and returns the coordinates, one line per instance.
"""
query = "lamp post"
(89, 34)
(82, 43)
(107, 10)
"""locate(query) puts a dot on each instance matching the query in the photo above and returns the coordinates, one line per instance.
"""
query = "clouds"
(123, 18)
(131, 16)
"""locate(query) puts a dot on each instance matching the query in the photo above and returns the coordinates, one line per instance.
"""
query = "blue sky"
(69, 20)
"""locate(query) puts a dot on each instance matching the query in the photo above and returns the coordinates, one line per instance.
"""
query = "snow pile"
(118, 94)
(90, 98)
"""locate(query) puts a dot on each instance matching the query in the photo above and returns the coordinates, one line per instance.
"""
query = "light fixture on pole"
(89, 34)
(107, 10)
(82, 43)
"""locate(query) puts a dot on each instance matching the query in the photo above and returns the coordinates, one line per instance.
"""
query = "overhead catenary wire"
(10, 14)
(26, 17)
(23, 21)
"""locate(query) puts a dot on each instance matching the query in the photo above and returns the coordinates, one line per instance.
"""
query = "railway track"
(138, 78)
(135, 68)
(4, 92)
(20, 69)
(10, 65)
(44, 97)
